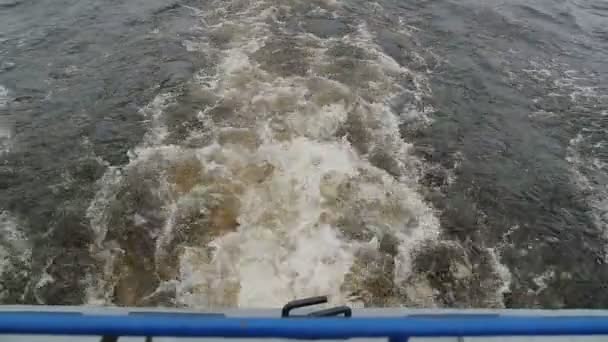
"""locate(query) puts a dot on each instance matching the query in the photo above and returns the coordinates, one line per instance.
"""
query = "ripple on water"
(5, 129)
(15, 260)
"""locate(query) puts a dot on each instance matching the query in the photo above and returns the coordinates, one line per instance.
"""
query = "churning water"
(244, 153)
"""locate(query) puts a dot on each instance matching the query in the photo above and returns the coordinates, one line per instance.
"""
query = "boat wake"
(278, 172)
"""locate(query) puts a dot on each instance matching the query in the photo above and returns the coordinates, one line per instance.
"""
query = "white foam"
(503, 273)
(12, 237)
(282, 248)
(276, 153)
(15, 249)
(541, 280)
(153, 112)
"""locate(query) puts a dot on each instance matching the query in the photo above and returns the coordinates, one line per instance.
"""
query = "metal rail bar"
(395, 329)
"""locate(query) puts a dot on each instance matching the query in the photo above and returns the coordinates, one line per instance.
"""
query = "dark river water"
(248, 152)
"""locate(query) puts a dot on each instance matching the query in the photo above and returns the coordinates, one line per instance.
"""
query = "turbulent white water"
(288, 179)
(15, 253)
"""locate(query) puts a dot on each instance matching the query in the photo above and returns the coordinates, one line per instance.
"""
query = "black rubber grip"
(300, 303)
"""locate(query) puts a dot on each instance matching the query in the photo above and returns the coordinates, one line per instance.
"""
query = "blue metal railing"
(395, 329)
